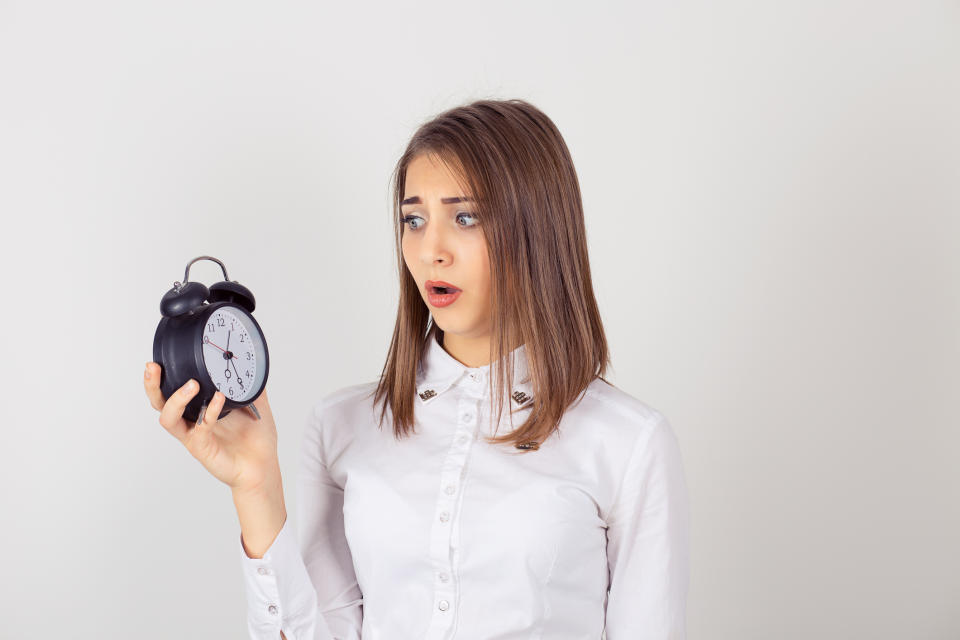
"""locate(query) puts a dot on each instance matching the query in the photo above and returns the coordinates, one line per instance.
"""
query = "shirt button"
(444, 577)
(262, 571)
(272, 609)
(444, 516)
(463, 439)
(443, 605)
(467, 417)
(450, 489)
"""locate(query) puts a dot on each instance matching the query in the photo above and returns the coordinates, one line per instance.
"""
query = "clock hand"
(221, 349)
(239, 379)
(230, 358)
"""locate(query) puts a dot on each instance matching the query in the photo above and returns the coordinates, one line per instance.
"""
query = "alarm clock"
(209, 335)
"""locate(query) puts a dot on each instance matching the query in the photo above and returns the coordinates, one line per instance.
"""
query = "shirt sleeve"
(308, 589)
(648, 543)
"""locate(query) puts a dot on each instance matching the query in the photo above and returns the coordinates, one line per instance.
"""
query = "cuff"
(279, 592)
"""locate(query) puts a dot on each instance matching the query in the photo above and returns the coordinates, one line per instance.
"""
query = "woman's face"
(442, 240)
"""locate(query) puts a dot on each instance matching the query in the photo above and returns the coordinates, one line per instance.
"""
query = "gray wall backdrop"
(771, 192)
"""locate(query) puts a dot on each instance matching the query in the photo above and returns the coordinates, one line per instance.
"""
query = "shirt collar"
(439, 371)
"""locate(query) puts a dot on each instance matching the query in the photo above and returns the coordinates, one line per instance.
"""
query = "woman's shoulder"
(625, 424)
(604, 403)
(610, 401)
(346, 401)
(337, 416)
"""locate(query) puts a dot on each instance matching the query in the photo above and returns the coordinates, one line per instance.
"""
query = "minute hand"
(239, 379)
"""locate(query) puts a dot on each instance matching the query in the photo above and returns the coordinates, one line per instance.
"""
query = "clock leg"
(203, 411)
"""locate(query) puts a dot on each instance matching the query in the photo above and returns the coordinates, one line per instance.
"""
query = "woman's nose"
(434, 246)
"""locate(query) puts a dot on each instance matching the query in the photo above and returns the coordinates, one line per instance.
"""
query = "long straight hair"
(510, 157)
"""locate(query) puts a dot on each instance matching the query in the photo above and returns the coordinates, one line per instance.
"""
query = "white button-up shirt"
(442, 536)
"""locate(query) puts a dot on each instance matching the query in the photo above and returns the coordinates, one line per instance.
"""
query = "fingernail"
(146, 374)
(190, 386)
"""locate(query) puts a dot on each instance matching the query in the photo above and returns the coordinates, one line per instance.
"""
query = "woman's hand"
(238, 449)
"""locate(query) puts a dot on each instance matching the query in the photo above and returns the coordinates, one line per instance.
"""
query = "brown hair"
(510, 157)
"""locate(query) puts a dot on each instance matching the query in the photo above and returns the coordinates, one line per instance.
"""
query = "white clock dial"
(233, 353)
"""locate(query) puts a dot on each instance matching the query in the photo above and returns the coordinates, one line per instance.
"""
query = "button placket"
(442, 545)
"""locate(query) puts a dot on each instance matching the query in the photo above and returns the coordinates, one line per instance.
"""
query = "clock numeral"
(249, 356)
(242, 336)
(210, 327)
(221, 321)
(230, 391)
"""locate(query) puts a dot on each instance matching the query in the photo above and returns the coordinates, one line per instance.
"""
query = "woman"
(422, 520)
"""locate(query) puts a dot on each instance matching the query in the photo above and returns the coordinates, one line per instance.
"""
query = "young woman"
(491, 483)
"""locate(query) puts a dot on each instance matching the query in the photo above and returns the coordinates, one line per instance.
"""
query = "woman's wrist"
(269, 487)
(262, 513)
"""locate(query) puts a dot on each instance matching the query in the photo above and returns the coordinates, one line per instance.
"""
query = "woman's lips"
(442, 299)
(431, 284)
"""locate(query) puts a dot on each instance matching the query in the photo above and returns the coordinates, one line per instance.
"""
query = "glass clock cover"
(233, 353)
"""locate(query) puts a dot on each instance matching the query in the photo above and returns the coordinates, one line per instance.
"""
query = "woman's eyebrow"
(417, 200)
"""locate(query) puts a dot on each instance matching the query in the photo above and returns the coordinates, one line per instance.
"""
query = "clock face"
(234, 353)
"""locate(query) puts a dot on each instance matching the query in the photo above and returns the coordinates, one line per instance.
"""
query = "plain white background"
(771, 196)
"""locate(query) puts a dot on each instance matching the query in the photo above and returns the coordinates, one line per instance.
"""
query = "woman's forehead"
(430, 172)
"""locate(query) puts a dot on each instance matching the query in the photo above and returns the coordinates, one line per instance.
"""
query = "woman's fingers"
(151, 384)
(212, 413)
(171, 415)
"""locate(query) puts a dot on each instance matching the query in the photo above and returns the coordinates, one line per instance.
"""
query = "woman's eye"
(469, 215)
(411, 220)
(415, 222)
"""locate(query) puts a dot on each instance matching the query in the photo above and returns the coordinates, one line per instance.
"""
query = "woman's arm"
(647, 543)
(324, 542)
(308, 590)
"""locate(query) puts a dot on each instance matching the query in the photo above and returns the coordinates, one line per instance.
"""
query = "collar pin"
(520, 397)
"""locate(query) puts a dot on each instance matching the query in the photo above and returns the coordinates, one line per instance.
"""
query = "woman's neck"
(470, 352)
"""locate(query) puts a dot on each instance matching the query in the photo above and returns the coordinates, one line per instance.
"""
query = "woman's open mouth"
(440, 293)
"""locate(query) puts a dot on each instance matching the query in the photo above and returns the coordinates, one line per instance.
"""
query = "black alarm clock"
(209, 335)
